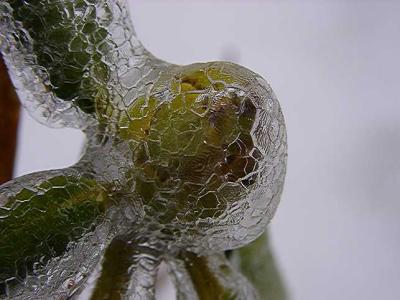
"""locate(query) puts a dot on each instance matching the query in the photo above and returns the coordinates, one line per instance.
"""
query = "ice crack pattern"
(181, 162)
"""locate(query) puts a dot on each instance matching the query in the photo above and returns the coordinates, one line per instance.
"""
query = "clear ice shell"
(181, 162)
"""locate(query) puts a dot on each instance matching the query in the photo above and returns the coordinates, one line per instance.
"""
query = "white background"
(335, 68)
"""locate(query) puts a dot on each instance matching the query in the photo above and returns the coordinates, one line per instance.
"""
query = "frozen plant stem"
(181, 163)
(126, 273)
(9, 117)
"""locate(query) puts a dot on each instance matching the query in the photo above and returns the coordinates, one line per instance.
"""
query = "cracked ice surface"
(181, 162)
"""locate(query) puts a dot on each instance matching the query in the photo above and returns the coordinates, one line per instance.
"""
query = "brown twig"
(9, 117)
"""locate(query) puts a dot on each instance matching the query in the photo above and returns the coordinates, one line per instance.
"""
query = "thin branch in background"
(9, 118)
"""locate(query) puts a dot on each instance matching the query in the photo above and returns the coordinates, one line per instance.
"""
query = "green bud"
(188, 146)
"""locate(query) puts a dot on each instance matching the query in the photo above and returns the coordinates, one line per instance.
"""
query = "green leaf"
(257, 263)
(65, 37)
(39, 221)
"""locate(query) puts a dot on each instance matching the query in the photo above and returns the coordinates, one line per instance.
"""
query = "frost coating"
(181, 162)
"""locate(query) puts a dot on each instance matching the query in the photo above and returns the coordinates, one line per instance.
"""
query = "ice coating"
(181, 162)
(68, 59)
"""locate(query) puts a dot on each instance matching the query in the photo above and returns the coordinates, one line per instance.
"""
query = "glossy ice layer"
(181, 162)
